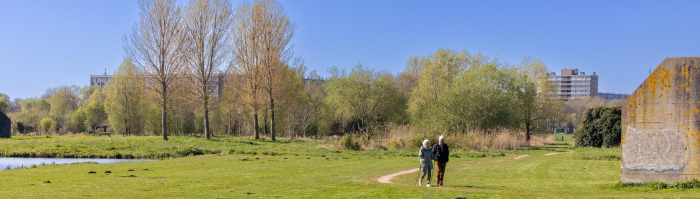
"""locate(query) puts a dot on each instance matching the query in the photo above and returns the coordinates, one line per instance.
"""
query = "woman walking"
(426, 157)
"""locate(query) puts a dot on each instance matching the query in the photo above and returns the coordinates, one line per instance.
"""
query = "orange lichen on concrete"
(661, 76)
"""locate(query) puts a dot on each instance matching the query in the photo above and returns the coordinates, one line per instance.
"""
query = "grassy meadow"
(227, 167)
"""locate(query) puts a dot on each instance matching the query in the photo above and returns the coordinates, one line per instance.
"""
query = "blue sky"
(46, 44)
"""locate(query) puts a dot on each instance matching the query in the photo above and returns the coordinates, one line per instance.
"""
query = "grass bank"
(306, 169)
(153, 147)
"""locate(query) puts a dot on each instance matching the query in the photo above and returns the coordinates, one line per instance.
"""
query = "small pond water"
(28, 162)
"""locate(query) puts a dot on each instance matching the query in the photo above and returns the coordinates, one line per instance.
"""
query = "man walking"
(442, 154)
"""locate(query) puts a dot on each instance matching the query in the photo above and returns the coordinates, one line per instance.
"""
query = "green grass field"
(308, 169)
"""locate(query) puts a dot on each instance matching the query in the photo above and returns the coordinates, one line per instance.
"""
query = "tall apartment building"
(572, 84)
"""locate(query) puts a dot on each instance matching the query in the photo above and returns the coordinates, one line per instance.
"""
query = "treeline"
(209, 68)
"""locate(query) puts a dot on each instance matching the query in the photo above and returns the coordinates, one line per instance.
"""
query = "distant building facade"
(100, 80)
(571, 84)
(612, 96)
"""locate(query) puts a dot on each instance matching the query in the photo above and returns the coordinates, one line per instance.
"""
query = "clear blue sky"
(46, 44)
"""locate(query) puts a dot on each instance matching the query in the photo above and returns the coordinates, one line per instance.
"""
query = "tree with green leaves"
(94, 111)
(47, 125)
(4, 103)
(438, 72)
(123, 99)
(534, 101)
(601, 127)
(366, 97)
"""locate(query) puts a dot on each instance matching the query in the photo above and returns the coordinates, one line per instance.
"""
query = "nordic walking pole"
(418, 174)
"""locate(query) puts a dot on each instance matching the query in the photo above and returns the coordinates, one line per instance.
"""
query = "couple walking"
(439, 153)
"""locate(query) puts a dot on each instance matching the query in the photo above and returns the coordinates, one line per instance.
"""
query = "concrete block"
(661, 125)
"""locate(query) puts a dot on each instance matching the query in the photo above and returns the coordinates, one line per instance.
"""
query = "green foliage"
(4, 104)
(78, 120)
(367, 97)
(350, 143)
(601, 128)
(47, 125)
(123, 100)
(657, 185)
(19, 126)
(94, 111)
(534, 102)
(64, 101)
(417, 142)
(458, 91)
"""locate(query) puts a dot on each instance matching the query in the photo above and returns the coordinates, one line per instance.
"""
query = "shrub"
(47, 125)
(601, 127)
(417, 141)
(350, 143)
(692, 184)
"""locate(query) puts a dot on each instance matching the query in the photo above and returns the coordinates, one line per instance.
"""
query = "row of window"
(572, 82)
(99, 79)
(569, 78)
(576, 91)
(574, 96)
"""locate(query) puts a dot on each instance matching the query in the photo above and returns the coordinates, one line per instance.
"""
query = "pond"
(12, 163)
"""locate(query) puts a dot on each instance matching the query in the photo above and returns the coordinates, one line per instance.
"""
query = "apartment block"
(573, 84)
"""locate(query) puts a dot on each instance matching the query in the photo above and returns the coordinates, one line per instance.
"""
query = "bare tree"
(245, 46)
(207, 26)
(155, 45)
(275, 50)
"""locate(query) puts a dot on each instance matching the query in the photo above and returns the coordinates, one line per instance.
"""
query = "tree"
(367, 97)
(123, 96)
(47, 125)
(294, 101)
(247, 59)
(534, 100)
(477, 100)
(438, 72)
(4, 103)
(277, 31)
(33, 110)
(94, 111)
(79, 118)
(207, 28)
(232, 103)
(155, 45)
(601, 127)
(64, 100)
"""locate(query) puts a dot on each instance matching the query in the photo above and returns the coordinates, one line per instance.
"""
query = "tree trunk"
(272, 118)
(207, 132)
(257, 133)
(164, 112)
(527, 131)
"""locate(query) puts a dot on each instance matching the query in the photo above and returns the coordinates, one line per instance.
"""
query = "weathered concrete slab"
(5, 123)
(661, 125)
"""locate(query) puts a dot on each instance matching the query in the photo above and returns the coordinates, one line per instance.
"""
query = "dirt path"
(386, 178)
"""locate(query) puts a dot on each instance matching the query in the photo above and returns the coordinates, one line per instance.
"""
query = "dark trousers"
(440, 166)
